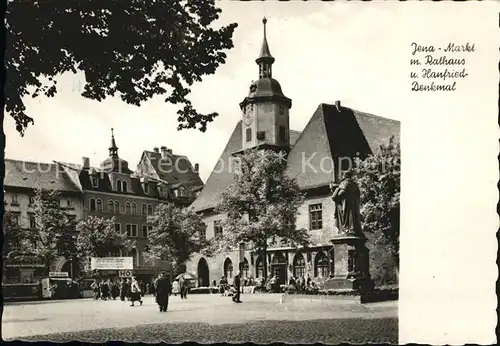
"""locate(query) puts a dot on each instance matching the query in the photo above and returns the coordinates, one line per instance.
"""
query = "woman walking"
(135, 292)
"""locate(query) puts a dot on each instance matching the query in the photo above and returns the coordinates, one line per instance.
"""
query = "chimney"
(163, 151)
(196, 167)
(156, 150)
(85, 163)
(338, 105)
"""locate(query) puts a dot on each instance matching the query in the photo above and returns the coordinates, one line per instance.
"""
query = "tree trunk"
(264, 261)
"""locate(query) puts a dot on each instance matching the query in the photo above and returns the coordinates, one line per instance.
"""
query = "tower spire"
(265, 59)
(113, 149)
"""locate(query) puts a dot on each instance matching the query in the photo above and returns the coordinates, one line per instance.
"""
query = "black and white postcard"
(259, 171)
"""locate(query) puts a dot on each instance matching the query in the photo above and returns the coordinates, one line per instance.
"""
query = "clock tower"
(265, 111)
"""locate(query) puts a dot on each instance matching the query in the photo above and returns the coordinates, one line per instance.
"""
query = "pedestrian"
(115, 290)
(183, 287)
(175, 288)
(222, 285)
(95, 288)
(123, 289)
(104, 291)
(129, 292)
(237, 287)
(163, 289)
(135, 292)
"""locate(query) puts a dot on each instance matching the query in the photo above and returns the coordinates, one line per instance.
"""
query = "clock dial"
(248, 118)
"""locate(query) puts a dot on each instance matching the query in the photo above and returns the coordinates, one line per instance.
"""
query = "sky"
(322, 55)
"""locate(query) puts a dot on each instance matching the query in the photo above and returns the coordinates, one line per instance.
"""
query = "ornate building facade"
(112, 189)
(316, 157)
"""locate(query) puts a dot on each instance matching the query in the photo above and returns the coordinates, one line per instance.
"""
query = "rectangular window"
(217, 229)
(261, 135)
(203, 234)
(32, 221)
(146, 188)
(134, 231)
(14, 200)
(315, 216)
(282, 134)
(31, 200)
(94, 180)
(248, 133)
(145, 230)
(282, 110)
(129, 230)
(118, 228)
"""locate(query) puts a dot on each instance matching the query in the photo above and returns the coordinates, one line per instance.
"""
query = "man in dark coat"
(183, 287)
(163, 289)
(237, 286)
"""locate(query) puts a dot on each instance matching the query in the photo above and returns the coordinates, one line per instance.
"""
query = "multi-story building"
(114, 190)
(22, 178)
(111, 189)
(334, 135)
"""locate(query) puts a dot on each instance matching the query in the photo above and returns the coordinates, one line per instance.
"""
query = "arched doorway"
(228, 268)
(299, 265)
(278, 267)
(203, 273)
(244, 269)
(71, 267)
(259, 268)
(321, 265)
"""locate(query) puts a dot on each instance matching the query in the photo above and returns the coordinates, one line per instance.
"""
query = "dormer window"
(146, 188)
(94, 181)
(119, 185)
(124, 186)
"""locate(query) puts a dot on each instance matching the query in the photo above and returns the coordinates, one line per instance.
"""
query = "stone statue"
(347, 204)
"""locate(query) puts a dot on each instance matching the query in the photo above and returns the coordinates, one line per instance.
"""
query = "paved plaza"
(261, 318)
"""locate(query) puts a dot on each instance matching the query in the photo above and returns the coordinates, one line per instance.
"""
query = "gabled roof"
(33, 175)
(332, 137)
(221, 177)
(174, 170)
(331, 134)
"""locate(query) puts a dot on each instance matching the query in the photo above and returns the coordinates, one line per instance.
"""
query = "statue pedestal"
(350, 264)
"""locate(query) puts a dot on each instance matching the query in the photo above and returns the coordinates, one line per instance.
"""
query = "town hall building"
(315, 155)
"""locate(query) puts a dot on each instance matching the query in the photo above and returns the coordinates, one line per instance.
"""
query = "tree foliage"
(13, 240)
(97, 237)
(55, 233)
(134, 49)
(175, 234)
(379, 179)
(260, 205)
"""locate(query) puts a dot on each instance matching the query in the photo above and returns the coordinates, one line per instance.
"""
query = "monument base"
(354, 284)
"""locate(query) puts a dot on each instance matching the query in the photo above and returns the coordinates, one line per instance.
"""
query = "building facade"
(22, 178)
(109, 190)
(316, 158)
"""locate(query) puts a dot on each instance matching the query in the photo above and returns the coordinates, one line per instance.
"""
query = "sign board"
(125, 273)
(111, 263)
(58, 275)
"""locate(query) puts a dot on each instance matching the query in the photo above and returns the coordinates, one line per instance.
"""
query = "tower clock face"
(248, 117)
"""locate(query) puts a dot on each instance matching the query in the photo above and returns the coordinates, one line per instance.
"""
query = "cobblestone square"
(204, 318)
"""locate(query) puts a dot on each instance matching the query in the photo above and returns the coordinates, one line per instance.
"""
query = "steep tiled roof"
(32, 175)
(82, 177)
(330, 135)
(176, 169)
(220, 177)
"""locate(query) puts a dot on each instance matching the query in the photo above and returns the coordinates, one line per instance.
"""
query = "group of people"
(235, 290)
(128, 289)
